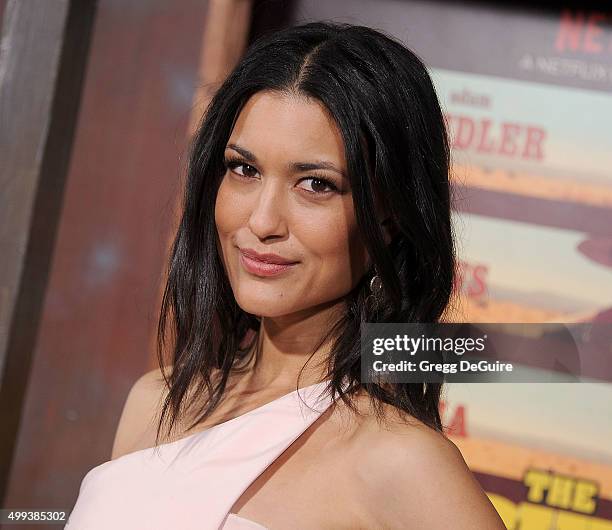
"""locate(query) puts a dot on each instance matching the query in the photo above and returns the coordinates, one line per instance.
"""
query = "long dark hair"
(384, 103)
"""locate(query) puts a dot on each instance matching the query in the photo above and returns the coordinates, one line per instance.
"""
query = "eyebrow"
(295, 166)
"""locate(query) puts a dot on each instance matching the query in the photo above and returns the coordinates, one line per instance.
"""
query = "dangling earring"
(376, 284)
(375, 297)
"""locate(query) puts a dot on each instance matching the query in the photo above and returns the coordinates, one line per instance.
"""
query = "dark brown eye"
(319, 185)
(246, 171)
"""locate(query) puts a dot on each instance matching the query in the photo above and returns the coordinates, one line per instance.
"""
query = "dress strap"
(193, 483)
(246, 450)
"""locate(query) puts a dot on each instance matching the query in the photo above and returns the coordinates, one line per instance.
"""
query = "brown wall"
(101, 299)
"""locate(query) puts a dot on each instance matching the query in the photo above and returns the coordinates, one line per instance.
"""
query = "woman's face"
(286, 192)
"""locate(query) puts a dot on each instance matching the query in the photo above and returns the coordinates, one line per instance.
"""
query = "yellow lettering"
(576, 521)
(584, 498)
(537, 482)
(505, 508)
(535, 517)
(561, 492)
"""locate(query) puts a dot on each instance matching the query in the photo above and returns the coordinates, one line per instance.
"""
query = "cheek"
(222, 209)
(230, 209)
(340, 253)
(226, 221)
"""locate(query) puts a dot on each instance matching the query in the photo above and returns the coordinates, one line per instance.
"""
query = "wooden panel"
(44, 50)
(101, 301)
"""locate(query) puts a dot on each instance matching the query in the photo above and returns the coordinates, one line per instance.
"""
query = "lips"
(266, 258)
(253, 263)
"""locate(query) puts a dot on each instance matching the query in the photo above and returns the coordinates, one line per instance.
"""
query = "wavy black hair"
(384, 103)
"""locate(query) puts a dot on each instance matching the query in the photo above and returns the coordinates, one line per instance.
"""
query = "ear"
(385, 219)
(389, 228)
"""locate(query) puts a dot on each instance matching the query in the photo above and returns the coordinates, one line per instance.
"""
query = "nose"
(267, 216)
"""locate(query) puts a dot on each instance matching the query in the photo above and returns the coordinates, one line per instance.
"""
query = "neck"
(288, 343)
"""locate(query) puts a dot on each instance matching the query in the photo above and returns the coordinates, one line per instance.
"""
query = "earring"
(375, 283)
(375, 298)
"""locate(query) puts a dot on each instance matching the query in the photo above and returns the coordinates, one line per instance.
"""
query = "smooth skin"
(267, 205)
(344, 472)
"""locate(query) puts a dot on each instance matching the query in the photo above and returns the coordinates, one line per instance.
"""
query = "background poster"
(527, 94)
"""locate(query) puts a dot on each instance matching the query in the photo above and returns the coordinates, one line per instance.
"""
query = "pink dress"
(193, 483)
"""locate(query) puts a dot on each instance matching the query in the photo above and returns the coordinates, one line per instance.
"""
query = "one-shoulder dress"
(192, 483)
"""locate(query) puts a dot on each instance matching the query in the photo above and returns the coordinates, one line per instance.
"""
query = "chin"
(264, 306)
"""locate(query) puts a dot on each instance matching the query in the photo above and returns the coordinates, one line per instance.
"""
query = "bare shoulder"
(138, 422)
(412, 476)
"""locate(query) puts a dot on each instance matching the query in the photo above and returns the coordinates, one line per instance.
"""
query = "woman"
(317, 199)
